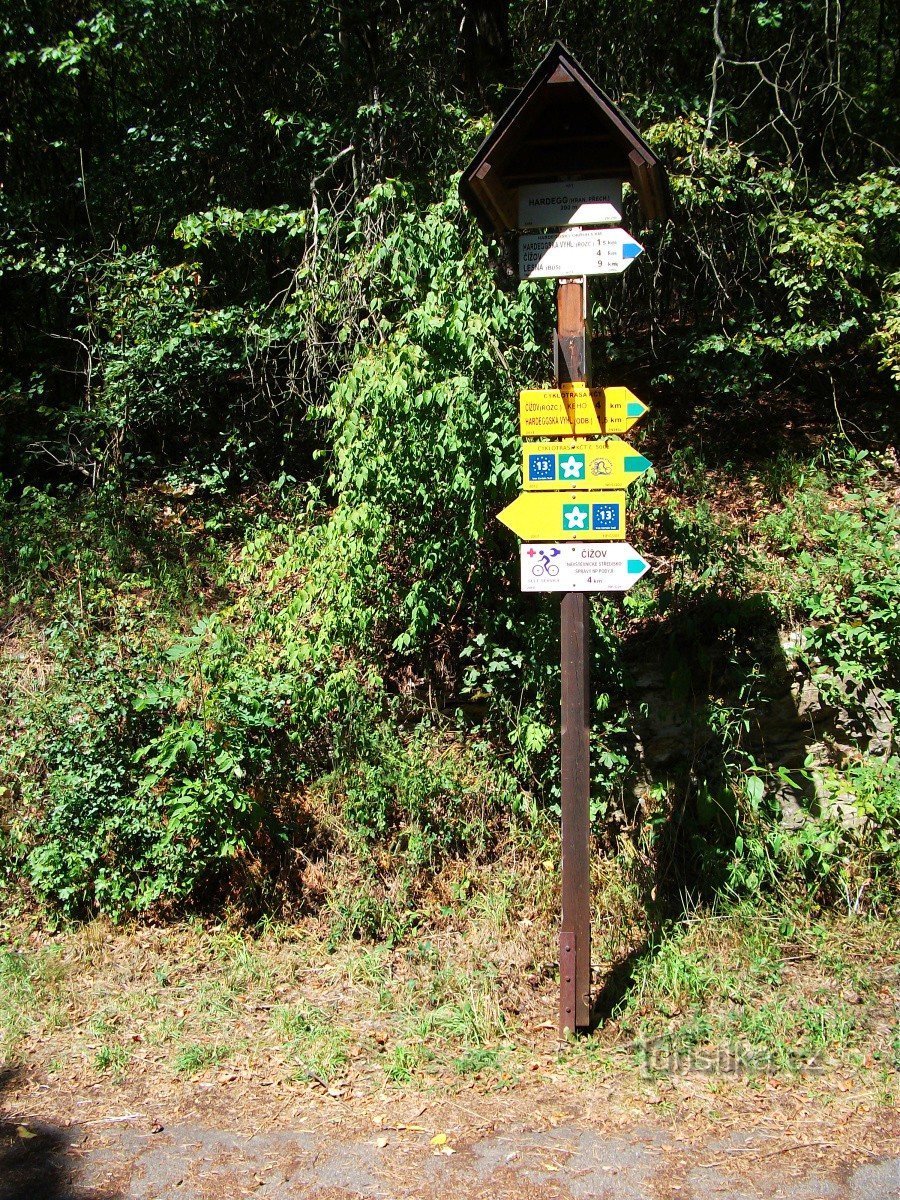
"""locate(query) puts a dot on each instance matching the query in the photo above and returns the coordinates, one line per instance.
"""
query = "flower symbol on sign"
(575, 516)
(601, 466)
(572, 467)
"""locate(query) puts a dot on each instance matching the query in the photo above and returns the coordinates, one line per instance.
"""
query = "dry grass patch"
(718, 1012)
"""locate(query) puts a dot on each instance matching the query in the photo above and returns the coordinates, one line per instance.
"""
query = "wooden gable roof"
(561, 125)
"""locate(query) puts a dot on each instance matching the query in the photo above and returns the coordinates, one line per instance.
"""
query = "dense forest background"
(258, 380)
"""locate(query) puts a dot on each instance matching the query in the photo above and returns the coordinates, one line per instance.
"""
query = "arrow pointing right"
(574, 409)
(606, 463)
(575, 567)
(576, 252)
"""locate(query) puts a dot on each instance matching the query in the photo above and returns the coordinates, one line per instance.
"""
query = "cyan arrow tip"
(636, 408)
(636, 463)
(637, 566)
(631, 249)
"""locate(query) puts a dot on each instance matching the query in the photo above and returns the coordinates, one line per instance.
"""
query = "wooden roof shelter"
(560, 126)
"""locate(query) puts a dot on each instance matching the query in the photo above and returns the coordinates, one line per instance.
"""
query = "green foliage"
(843, 580)
(257, 393)
(419, 790)
(148, 823)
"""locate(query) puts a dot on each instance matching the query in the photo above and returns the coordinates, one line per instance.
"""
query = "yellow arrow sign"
(621, 409)
(567, 516)
(567, 410)
(608, 463)
(573, 409)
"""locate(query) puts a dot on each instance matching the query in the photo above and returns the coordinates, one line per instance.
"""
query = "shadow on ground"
(617, 983)
(714, 700)
(36, 1159)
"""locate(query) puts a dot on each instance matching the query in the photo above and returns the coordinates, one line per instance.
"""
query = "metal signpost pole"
(572, 359)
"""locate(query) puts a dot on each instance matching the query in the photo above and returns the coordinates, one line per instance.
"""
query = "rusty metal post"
(572, 360)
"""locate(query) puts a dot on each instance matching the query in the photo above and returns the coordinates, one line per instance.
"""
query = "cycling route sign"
(593, 516)
(573, 567)
(571, 463)
(573, 409)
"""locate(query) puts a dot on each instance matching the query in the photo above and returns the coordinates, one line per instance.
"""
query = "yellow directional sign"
(558, 411)
(567, 516)
(574, 410)
(621, 409)
(606, 463)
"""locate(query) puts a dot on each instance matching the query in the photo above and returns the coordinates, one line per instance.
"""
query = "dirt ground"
(231, 1137)
(186, 1063)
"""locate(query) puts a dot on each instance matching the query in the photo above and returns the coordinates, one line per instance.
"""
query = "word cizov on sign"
(568, 567)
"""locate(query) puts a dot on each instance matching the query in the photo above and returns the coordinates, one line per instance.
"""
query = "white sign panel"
(580, 567)
(576, 252)
(570, 202)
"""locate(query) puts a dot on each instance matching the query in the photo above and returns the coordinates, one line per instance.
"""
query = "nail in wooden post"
(572, 360)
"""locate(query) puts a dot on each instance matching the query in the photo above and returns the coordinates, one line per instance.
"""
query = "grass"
(728, 999)
(753, 994)
(112, 1058)
(314, 1040)
(195, 1057)
(408, 977)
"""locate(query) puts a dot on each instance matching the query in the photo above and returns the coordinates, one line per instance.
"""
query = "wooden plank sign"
(607, 463)
(570, 202)
(566, 516)
(572, 252)
(569, 567)
(573, 410)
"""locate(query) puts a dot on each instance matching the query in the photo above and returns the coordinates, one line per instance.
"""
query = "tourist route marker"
(570, 202)
(573, 410)
(576, 516)
(570, 252)
(562, 129)
(608, 463)
(565, 567)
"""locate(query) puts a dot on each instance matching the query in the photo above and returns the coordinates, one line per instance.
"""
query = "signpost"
(581, 516)
(610, 463)
(555, 161)
(555, 255)
(573, 409)
(564, 567)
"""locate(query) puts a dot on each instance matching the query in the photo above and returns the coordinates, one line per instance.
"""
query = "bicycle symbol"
(546, 567)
